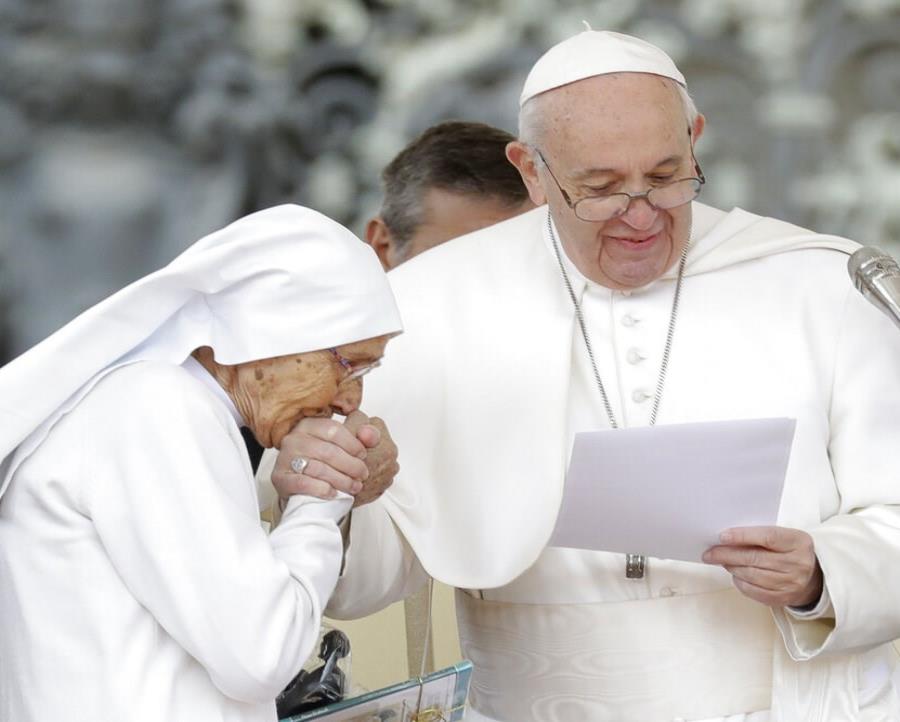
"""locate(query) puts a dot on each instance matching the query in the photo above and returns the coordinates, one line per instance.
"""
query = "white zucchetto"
(282, 281)
(596, 52)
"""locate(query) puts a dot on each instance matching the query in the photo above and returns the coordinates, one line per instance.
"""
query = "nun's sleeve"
(379, 566)
(173, 501)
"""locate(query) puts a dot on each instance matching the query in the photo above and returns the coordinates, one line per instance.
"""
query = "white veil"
(281, 281)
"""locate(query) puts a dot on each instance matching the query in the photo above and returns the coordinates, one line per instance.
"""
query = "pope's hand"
(773, 565)
(336, 456)
(381, 459)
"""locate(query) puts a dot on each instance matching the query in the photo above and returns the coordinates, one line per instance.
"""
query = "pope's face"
(615, 133)
(274, 394)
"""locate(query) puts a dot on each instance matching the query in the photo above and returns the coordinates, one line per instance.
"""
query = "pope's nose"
(640, 215)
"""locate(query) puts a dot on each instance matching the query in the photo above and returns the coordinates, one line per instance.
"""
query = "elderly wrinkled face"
(274, 394)
(624, 132)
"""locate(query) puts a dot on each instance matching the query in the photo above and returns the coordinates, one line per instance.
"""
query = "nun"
(136, 582)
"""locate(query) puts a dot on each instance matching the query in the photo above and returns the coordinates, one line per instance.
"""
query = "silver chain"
(635, 564)
(667, 350)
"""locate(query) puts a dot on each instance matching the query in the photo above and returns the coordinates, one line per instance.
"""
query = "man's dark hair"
(456, 156)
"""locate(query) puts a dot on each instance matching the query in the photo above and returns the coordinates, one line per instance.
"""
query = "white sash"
(692, 657)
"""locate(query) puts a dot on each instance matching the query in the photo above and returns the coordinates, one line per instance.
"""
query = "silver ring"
(298, 464)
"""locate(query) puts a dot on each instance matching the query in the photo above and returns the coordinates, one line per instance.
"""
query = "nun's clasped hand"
(334, 455)
(357, 457)
(773, 565)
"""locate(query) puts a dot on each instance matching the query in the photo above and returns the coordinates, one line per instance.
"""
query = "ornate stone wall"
(128, 128)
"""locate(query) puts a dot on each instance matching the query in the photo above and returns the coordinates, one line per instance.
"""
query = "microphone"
(876, 276)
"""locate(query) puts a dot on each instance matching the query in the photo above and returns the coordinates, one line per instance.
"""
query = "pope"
(625, 301)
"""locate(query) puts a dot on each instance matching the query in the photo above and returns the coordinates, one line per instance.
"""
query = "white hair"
(531, 120)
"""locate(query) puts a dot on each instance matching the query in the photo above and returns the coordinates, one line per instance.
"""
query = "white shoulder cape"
(483, 314)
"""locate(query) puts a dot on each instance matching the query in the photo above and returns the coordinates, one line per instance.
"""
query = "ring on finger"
(299, 464)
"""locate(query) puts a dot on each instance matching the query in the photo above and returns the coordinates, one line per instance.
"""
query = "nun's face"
(273, 394)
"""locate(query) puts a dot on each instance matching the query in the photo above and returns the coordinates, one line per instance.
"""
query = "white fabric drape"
(478, 396)
(281, 281)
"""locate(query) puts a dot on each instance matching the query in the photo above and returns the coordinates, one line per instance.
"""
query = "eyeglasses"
(347, 364)
(603, 208)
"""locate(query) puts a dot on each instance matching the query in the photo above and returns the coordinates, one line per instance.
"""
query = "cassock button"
(667, 592)
(639, 396)
(629, 320)
(633, 356)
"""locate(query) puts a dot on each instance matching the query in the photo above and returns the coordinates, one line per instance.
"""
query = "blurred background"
(130, 128)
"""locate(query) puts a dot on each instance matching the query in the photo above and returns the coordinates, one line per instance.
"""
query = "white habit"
(136, 582)
(139, 584)
(483, 394)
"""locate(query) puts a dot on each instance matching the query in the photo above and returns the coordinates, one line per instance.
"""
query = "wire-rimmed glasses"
(353, 372)
(604, 207)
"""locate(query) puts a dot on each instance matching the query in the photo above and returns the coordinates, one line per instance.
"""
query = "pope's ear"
(521, 156)
(697, 127)
(379, 236)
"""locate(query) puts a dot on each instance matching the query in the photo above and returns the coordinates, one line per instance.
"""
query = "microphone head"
(869, 263)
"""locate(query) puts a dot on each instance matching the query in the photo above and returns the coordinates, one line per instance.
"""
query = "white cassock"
(483, 394)
(136, 582)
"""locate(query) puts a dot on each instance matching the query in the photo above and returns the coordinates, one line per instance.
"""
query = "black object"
(254, 449)
(324, 685)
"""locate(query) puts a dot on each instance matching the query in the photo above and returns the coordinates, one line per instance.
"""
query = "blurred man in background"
(451, 180)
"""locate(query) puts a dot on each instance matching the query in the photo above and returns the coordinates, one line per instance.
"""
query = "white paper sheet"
(668, 491)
